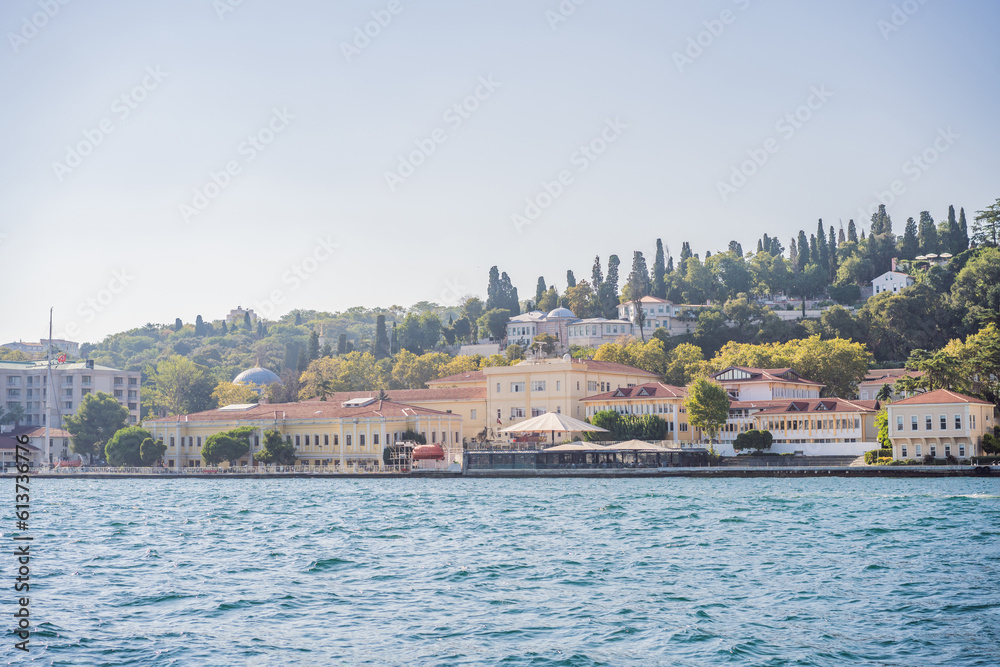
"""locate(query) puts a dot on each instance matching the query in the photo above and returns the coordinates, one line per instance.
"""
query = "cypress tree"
(327, 350)
(313, 346)
(638, 279)
(760, 245)
(382, 347)
(911, 244)
(178, 325)
(595, 274)
(540, 289)
(841, 239)
(493, 289)
(224, 328)
(793, 255)
(954, 233)
(814, 257)
(963, 232)
(852, 232)
(803, 248)
(824, 252)
(570, 279)
(246, 322)
(199, 326)
(291, 355)
(298, 318)
(927, 234)
(670, 266)
(342, 343)
(659, 288)
(832, 246)
(303, 362)
(394, 344)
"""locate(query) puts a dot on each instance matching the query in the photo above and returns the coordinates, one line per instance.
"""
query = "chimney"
(893, 264)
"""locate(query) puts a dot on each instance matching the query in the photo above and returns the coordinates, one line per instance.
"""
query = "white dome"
(257, 375)
(561, 312)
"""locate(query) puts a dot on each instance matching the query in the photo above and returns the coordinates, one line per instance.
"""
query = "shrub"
(928, 459)
(874, 456)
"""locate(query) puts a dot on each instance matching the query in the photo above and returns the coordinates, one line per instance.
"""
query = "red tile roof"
(7, 443)
(816, 405)
(767, 375)
(39, 432)
(878, 381)
(318, 410)
(468, 376)
(940, 396)
(651, 389)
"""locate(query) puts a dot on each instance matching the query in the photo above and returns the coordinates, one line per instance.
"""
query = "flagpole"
(48, 395)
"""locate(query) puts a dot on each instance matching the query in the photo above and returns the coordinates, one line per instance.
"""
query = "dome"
(561, 312)
(257, 375)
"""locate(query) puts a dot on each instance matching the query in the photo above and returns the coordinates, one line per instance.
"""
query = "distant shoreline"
(792, 471)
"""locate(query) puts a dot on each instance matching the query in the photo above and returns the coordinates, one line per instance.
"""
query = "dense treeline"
(189, 366)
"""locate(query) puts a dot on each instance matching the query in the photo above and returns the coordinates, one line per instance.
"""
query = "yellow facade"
(939, 423)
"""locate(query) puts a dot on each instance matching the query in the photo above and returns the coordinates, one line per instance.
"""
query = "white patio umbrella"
(578, 446)
(552, 422)
(636, 445)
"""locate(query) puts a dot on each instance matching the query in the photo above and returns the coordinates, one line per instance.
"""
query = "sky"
(175, 159)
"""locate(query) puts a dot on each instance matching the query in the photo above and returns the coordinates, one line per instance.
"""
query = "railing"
(374, 469)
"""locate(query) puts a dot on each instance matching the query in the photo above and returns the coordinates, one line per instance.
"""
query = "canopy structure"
(636, 445)
(578, 446)
(552, 422)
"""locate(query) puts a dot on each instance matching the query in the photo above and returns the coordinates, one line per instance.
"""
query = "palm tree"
(15, 413)
(382, 396)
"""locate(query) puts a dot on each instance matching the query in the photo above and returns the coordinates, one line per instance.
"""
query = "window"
(361, 440)
(498, 414)
(578, 385)
(85, 379)
(119, 393)
(375, 439)
(558, 385)
(538, 385)
(537, 412)
(456, 436)
(472, 414)
(336, 440)
(972, 422)
(171, 441)
(348, 438)
(961, 449)
(903, 452)
(517, 413)
(516, 387)
(933, 450)
(119, 381)
(947, 450)
(307, 439)
(917, 447)
(944, 422)
(132, 382)
(913, 422)
(132, 393)
(13, 393)
(927, 422)
(68, 391)
(434, 436)
(591, 386)
(68, 405)
(958, 422)
(199, 441)
(297, 442)
(326, 439)
(498, 387)
(14, 381)
(131, 406)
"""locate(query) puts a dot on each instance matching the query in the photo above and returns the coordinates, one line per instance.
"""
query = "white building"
(891, 281)
(25, 383)
(597, 331)
(661, 314)
(59, 346)
(765, 384)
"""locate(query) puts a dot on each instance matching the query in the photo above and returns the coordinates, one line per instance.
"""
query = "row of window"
(929, 422)
(15, 380)
(812, 424)
(933, 450)
(536, 385)
(309, 441)
(637, 409)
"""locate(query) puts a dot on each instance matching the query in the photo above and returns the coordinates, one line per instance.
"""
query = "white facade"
(661, 314)
(597, 331)
(891, 281)
(760, 384)
(26, 382)
(59, 345)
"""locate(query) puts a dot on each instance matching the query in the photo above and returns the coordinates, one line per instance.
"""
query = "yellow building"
(534, 387)
(652, 398)
(323, 432)
(939, 423)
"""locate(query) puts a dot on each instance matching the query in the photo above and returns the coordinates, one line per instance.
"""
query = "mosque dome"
(561, 312)
(258, 376)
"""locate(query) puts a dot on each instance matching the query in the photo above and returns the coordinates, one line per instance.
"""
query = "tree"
(852, 232)
(953, 241)
(275, 449)
(178, 325)
(882, 426)
(803, 251)
(976, 290)
(151, 451)
(753, 439)
(745, 312)
(227, 393)
(570, 279)
(910, 247)
(341, 345)
(382, 338)
(199, 326)
(963, 232)
(514, 352)
(540, 289)
(582, 300)
(659, 288)
(247, 324)
(15, 413)
(313, 349)
(549, 300)
(494, 322)
(884, 393)
(97, 419)
(684, 363)
(596, 276)
(637, 285)
(608, 291)
(837, 363)
(707, 404)
(227, 445)
(986, 229)
(180, 386)
(124, 447)
(928, 234)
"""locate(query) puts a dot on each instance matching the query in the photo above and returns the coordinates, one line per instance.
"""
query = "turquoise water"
(514, 572)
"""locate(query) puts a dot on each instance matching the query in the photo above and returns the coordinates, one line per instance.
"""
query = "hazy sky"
(170, 159)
